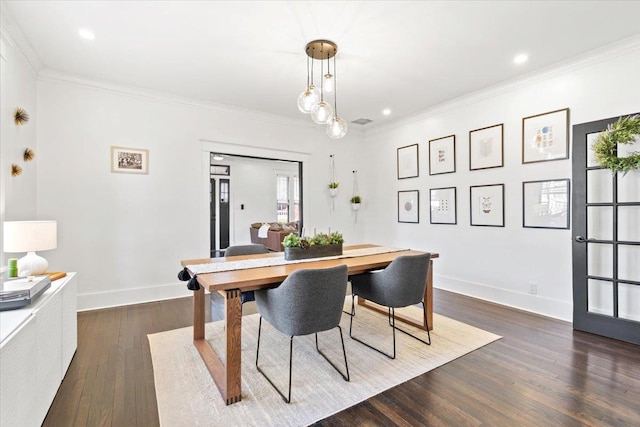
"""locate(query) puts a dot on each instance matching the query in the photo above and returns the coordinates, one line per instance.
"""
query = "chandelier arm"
(322, 77)
(335, 88)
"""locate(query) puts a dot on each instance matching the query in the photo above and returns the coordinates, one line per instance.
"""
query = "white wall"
(17, 89)
(487, 262)
(126, 234)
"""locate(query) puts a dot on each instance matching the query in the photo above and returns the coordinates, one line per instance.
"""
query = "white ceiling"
(406, 56)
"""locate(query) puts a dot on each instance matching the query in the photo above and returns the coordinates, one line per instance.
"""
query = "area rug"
(187, 395)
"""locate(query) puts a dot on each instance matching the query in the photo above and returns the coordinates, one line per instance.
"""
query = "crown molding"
(15, 38)
(610, 51)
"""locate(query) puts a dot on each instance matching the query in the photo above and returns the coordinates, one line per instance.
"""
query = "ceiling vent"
(362, 121)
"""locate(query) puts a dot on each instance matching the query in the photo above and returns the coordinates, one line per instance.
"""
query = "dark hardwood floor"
(542, 373)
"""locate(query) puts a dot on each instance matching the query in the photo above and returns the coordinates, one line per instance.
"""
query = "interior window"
(282, 196)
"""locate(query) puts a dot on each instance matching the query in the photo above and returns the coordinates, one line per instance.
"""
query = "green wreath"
(623, 131)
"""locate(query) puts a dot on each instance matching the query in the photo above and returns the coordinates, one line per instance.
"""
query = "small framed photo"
(129, 160)
(409, 206)
(487, 205)
(220, 170)
(443, 205)
(486, 147)
(442, 155)
(408, 161)
(545, 204)
(545, 137)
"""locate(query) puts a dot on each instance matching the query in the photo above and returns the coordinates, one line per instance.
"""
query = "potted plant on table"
(355, 203)
(320, 245)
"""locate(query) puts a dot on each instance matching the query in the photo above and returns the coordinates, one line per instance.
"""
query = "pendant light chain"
(322, 76)
(335, 88)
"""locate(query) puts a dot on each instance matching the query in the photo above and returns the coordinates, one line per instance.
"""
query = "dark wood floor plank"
(541, 373)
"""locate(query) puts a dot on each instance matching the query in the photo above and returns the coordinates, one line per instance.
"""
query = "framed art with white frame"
(129, 160)
(443, 205)
(487, 205)
(545, 137)
(442, 155)
(486, 147)
(409, 206)
(546, 204)
(407, 158)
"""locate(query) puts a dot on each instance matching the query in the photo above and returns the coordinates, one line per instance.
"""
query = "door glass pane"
(629, 301)
(629, 262)
(629, 187)
(599, 222)
(591, 139)
(628, 223)
(600, 295)
(599, 186)
(600, 259)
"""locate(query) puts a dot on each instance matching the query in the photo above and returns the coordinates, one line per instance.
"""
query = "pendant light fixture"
(312, 101)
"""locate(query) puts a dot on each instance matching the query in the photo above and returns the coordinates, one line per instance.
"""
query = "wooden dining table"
(230, 284)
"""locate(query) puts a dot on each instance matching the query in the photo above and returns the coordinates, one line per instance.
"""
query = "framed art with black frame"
(442, 155)
(442, 202)
(546, 204)
(487, 205)
(486, 147)
(407, 158)
(545, 137)
(409, 206)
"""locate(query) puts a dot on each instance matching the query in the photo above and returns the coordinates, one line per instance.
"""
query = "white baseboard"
(97, 300)
(533, 303)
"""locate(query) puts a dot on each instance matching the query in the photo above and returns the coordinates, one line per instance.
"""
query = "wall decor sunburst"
(16, 170)
(29, 154)
(20, 117)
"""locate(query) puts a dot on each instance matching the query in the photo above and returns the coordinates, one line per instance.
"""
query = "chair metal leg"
(344, 353)
(426, 322)
(285, 398)
(393, 318)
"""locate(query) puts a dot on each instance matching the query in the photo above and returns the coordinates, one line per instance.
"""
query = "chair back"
(308, 301)
(253, 249)
(406, 279)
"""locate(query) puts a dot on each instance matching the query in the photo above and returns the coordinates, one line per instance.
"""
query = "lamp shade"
(29, 236)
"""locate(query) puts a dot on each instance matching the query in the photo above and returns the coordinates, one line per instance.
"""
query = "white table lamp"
(30, 236)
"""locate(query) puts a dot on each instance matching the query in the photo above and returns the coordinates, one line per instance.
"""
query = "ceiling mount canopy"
(311, 100)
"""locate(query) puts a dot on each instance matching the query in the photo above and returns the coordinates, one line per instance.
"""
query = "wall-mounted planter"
(317, 251)
(355, 206)
(333, 192)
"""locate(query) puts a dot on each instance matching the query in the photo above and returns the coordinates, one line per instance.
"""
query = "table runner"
(217, 267)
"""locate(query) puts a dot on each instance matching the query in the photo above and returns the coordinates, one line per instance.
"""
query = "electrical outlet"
(533, 288)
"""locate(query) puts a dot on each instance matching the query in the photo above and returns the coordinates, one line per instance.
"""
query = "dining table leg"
(226, 375)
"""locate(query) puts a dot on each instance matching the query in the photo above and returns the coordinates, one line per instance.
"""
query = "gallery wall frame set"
(545, 137)
(442, 155)
(407, 161)
(129, 160)
(486, 147)
(487, 205)
(546, 204)
(443, 208)
(409, 206)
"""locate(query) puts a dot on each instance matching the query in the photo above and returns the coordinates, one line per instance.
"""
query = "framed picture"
(409, 206)
(486, 147)
(220, 170)
(442, 155)
(443, 205)
(129, 160)
(545, 204)
(408, 161)
(487, 205)
(545, 137)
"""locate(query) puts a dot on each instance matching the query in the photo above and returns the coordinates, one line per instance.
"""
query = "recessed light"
(521, 58)
(86, 34)
(386, 111)
(218, 157)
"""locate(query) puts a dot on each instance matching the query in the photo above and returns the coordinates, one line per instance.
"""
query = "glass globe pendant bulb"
(307, 100)
(329, 81)
(322, 113)
(337, 128)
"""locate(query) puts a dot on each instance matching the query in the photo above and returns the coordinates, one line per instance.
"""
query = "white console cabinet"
(37, 343)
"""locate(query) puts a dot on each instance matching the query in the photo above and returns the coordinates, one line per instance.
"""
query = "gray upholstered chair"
(234, 251)
(401, 284)
(307, 302)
